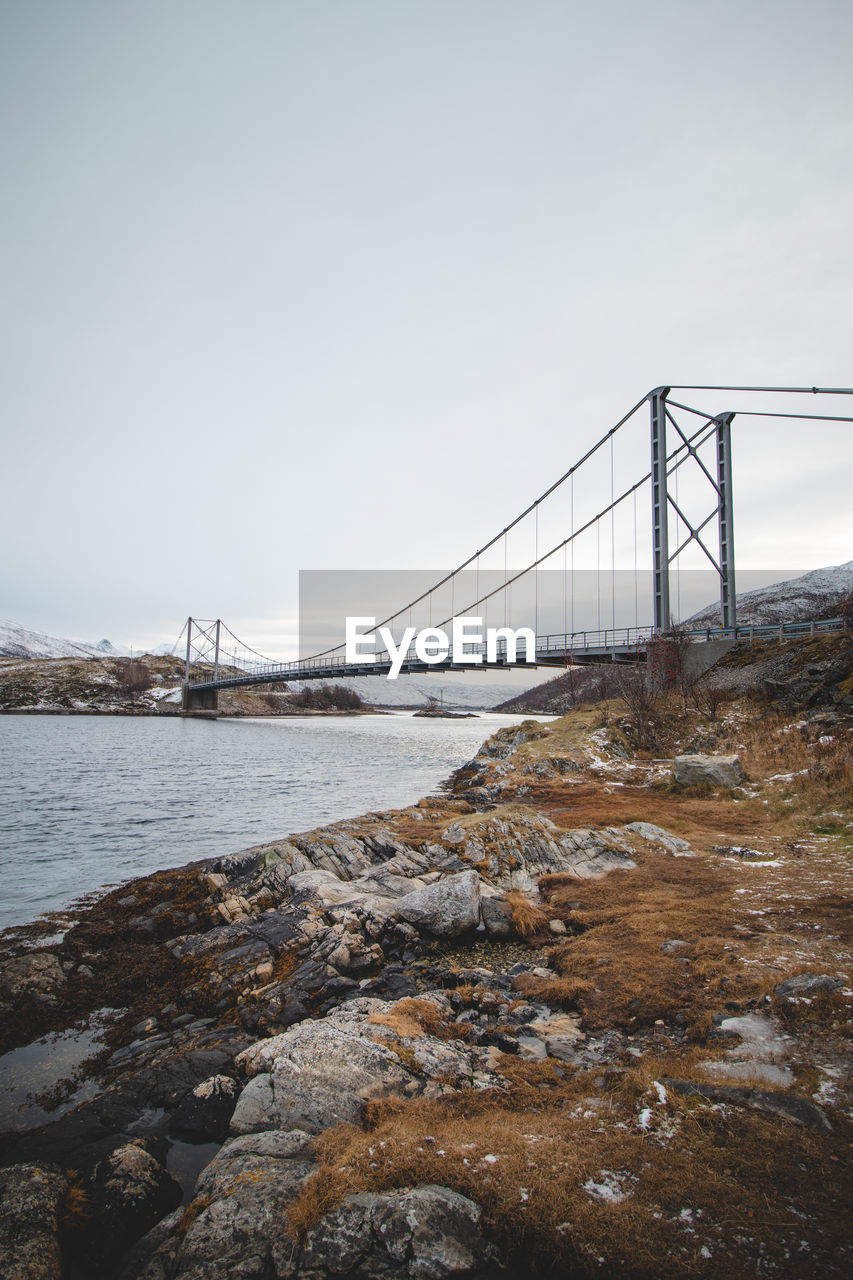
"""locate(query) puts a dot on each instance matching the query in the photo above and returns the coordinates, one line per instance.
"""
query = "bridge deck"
(626, 644)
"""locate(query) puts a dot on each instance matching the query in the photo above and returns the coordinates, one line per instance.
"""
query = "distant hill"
(813, 595)
(20, 642)
(567, 691)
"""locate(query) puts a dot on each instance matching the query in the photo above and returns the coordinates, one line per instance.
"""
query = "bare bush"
(133, 677)
(644, 706)
(708, 698)
(847, 611)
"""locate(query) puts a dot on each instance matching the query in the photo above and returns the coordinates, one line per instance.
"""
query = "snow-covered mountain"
(796, 600)
(20, 642)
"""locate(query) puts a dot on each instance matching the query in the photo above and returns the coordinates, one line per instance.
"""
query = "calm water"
(88, 801)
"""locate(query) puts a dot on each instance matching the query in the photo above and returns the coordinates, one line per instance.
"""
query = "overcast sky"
(344, 285)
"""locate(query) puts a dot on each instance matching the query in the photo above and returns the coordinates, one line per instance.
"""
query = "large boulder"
(244, 1195)
(449, 907)
(321, 1073)
(589, 855)
(426, 1233)
(720, 771)
(31, 1202)
(515, 848)
(318, 1073)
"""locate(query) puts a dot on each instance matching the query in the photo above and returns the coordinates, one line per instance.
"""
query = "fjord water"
(87, 801)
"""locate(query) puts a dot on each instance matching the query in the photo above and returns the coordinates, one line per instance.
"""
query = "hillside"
(819, 593)
(150, 685)
(813, 595)
(90, 684)
(807, 671)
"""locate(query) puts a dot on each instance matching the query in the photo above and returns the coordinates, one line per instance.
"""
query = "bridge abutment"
(199, 699)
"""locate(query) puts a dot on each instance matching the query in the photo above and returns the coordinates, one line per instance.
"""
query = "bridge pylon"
(205, 699)
(662, 500)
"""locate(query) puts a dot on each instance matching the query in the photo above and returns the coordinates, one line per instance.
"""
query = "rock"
(449, 907)
(205, 1112)
(532, 1047)
(38, 976)
(130, 1191)
(255, 1110)
(426, 1233)
(31, 1203)
(392, 983)
(565, 1048)
(557, 926)
(150, 1257)
(720, 771)
(496, 917)
(658, 836)
(321, 1073)
(806, 984)
(787, 1105)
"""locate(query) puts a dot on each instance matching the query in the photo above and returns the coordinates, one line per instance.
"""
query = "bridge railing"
(606, 638)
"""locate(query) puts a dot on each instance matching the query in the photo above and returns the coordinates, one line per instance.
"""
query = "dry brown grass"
(76, 1209)
(526, 916)
(616, 971)
(704, 820)
(560, 993)
(808, 771)
(411, 1019)
(694, 1175)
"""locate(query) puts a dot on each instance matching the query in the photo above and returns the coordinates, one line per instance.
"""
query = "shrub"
(327, 697)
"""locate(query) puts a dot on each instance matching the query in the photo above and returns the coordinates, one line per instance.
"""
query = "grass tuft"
(527, 917)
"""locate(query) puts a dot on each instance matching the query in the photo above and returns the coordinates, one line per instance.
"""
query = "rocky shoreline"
(423, 963)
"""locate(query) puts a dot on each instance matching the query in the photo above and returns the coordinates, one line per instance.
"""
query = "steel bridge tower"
(662, 499)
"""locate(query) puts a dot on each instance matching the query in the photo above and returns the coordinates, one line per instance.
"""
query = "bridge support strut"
(660, 509)
(726, 519)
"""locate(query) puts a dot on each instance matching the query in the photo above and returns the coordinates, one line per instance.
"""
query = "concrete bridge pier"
(199, 699)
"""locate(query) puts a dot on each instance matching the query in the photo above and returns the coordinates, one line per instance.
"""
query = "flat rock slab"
(664, 839)
(786, 1105)
(806, 985)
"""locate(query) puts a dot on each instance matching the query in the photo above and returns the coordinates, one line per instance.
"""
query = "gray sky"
(344, 285)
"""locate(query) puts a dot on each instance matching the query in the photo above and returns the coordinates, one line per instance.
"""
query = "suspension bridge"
(688, 491)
